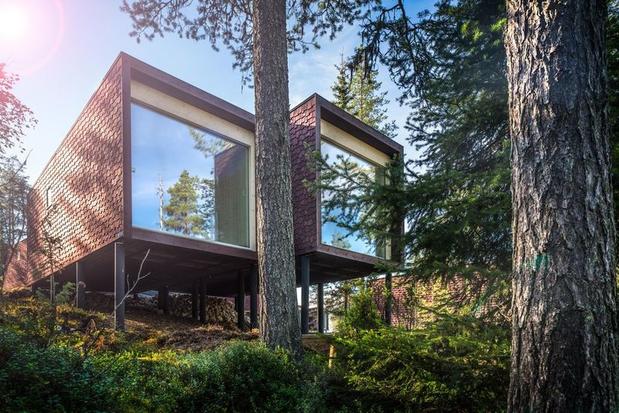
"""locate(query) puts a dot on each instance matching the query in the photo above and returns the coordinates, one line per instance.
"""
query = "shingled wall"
(303, 140)
(79, 196)
(16, 273)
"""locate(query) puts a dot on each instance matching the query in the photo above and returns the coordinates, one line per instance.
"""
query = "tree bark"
(564, 345)
(279, 326)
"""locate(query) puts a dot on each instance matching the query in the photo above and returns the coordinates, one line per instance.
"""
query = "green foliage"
(246, 377)
(181, 211)
(15, 117)
(66, 295)
(450, 66)
(459, 121)
(238, 377)
(362, 314)
(341, 87)
(229, 23)
(34, 378)
(358, 92)
(447, 367)
(455, 364)
(13, 195)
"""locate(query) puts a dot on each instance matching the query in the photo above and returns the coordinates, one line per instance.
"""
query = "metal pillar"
(194, 300)
(327, 321)
(80, 286)
(240, 301)
(164, 299)
(321, 308)
(253, 297)
(119, 286)
(52, 289)
(305, 282)
(388, 298)
(203, 300)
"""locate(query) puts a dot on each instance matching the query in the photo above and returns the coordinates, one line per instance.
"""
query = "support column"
(321, 308)
(388, 298)
(194, 300)
(80, 286)
(327, 321)
(203, 300)
(52, 289)
(305, 282)
(164, 299)
(253, 297)
(119, 286)
(240, 301)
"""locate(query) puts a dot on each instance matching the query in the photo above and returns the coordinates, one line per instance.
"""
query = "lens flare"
(31, 32)
(13, 22)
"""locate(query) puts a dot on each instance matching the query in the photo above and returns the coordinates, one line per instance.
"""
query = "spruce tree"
(358, 92)
(181, 211)
(341, 88)
(455, 194)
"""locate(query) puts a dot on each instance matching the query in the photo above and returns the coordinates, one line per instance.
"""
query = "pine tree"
(564, 334)
(341, 88)
(358, 92)
(181, 211)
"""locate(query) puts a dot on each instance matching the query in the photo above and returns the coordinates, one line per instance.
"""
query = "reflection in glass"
(334, 233)
(187, 181)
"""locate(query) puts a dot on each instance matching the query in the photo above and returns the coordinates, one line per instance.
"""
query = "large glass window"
(336, 221)
(187, 181)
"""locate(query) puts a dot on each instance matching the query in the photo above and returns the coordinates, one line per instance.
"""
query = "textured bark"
(564, 348)
(279, 325)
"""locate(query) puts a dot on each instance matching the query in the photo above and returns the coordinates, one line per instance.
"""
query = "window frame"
(376, 164)
(202, 128)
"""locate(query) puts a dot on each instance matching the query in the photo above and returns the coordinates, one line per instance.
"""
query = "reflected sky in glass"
(332, 233)
(187, 181)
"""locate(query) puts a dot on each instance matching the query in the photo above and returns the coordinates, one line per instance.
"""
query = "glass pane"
(186, 181)
(333, 233)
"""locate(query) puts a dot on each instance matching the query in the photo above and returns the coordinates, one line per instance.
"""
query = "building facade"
(156, 179)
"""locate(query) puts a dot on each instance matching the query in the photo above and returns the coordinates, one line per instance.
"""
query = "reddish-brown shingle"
(80, 191)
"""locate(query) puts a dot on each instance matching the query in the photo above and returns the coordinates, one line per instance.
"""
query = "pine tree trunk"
(279, 326)
(564, 348)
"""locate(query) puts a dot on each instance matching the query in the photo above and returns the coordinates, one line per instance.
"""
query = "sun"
(13, 21)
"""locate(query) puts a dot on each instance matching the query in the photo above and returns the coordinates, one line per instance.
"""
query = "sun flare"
(13, 21)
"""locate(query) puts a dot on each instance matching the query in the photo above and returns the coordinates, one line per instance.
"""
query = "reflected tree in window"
(181, 212)
(188, 181)
(339, 240)
(346, 188)
(209, 147)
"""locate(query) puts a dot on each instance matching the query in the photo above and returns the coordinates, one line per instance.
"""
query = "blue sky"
(64, 48)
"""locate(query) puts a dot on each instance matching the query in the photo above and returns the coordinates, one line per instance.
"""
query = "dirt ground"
(142, 327)
(179, 333)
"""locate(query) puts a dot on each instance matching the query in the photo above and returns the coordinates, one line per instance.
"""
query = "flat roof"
(353, 125)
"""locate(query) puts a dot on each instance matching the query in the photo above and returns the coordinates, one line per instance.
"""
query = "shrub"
(36, 378)
(238, 377)
(362, 314)
(451, 366)
(246, 377)
(447, 367)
